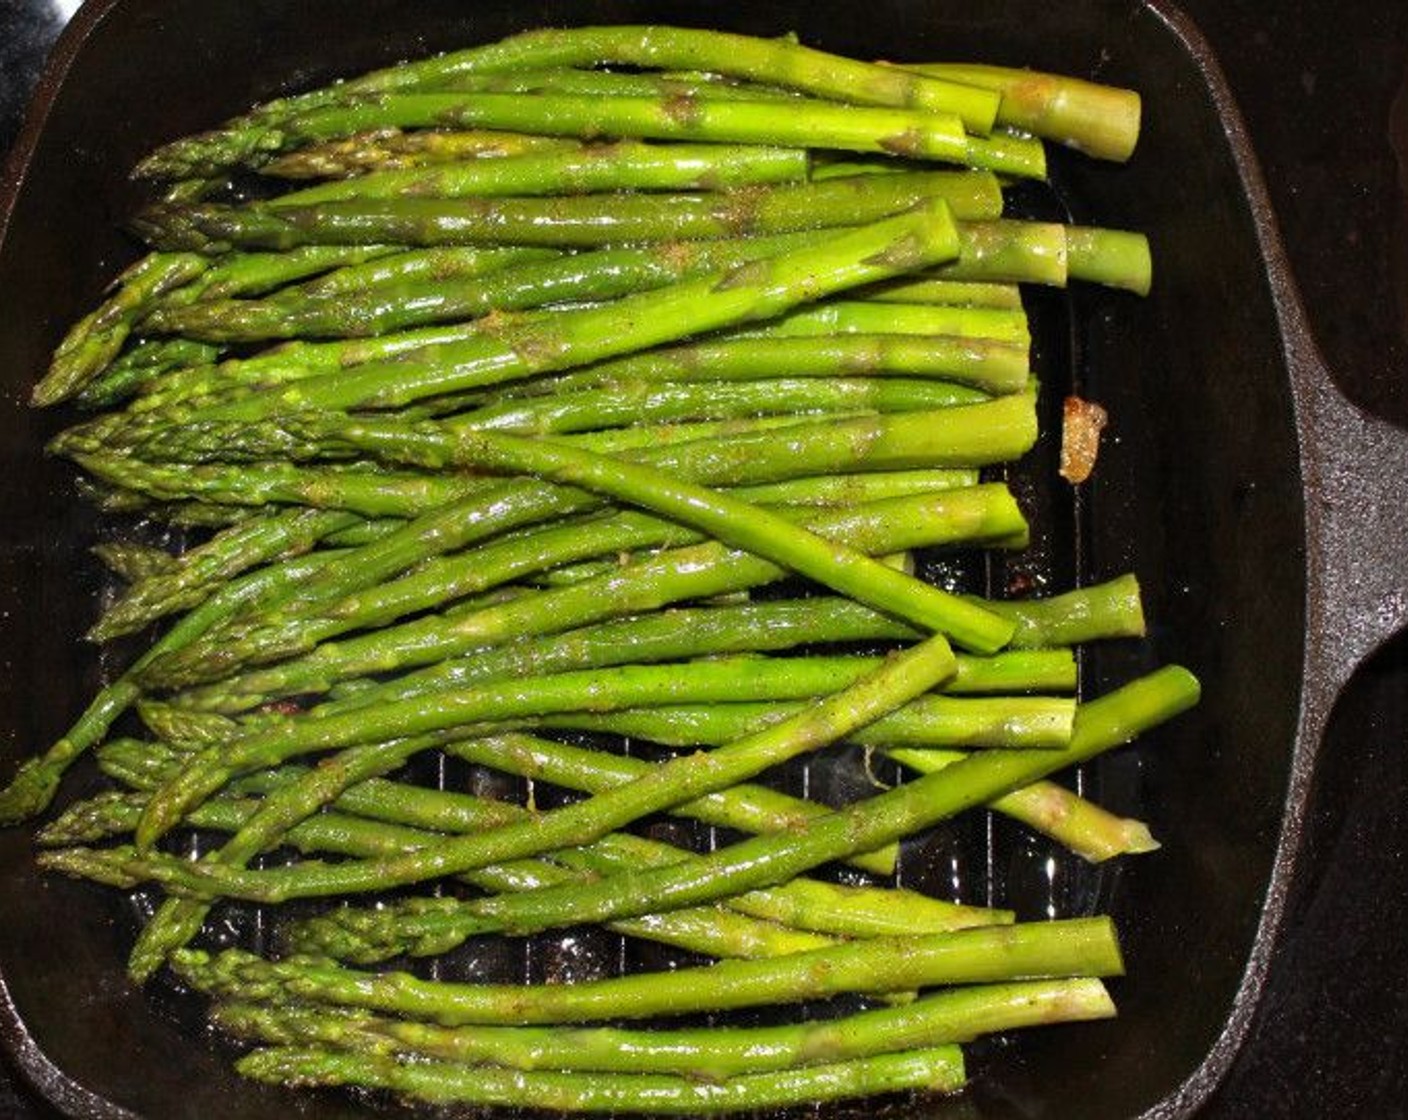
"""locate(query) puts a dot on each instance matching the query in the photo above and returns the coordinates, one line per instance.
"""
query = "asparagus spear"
(193, 577)
(1080, 825)
(593, 410)
(915, 134)
(705, 1054)
(934, 1070)
(1009, 721)
(580, 221)
(94, 340)
(952, 293)
(1077, 947)
(390, 150)
(992, 366)
(599, 167)
(370, 493)
(1102, 121)
(853, 316)
(410, 265)
(37, 780)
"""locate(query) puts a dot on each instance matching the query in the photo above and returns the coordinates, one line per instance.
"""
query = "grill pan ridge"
(1254, 502)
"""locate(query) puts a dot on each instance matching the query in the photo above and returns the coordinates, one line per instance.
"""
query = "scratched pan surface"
(1235, 484)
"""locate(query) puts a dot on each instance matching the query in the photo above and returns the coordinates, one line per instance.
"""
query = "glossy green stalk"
(1100, 120)
(933, 1070)
(1079, 825)
(703, 1053)
(33, 787)
(94, 341)
(992, 366)
(390, 150)
(600, 167)
(1078, 947)
(196, 574)
(574, 221)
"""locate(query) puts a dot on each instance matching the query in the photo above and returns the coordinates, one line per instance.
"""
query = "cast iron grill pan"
(1234, 481)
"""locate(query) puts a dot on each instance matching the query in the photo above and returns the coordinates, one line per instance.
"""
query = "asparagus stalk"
(992, 366)
(1102, 121)
(1008, 722)
(704, 1054)
(194, 576)
(33, 787)
(1114, 257)
(596, 409)
(853, 316)
(370, 493)
(1081, 826)
(93, 342)
(580, 221)
(411, 265)
(910, 133)
(952, 293)
(391, 150)
(1078, 947)
(609, 167)
(937, 1070)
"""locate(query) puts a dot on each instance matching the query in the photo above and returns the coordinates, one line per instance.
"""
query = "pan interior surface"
(1198, 492)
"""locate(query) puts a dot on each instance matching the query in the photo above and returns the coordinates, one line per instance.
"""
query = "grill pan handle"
(1356, 499)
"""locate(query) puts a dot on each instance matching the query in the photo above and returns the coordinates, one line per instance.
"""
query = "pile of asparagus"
(590, 334)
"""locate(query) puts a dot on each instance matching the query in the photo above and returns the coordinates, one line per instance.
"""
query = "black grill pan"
(1261, 511)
